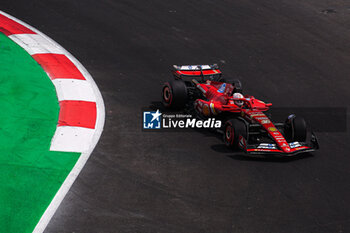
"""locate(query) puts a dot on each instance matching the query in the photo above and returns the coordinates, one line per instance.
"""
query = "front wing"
(268, 148)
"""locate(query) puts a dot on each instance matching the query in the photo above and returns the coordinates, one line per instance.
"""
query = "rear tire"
(174, 94)
(232, 130)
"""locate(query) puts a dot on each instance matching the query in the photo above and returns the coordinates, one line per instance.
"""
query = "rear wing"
(197, 71)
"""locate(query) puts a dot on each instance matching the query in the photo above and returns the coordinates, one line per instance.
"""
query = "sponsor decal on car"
(272, 129)
(261, 118)
(267, 146)
(222, 88)
(257, 115)
(294, 145)
(280, 138)
(193, 67)
(212, 108)
(265, 122)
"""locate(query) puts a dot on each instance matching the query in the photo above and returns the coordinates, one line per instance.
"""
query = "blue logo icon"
(222, 88)
(151, 120)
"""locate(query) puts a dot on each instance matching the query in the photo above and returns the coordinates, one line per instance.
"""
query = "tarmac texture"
(291, 53)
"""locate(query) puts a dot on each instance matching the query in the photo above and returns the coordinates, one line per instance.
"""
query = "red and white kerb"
(81, 117)
(76, 91)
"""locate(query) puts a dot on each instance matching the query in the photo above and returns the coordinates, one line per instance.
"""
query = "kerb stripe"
(77, 113)
(9, 27)
(58, 66)
(81, 116)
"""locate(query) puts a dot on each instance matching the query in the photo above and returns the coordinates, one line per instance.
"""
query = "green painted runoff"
(30, 174)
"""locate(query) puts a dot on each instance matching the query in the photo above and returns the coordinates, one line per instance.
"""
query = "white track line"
(46, 217)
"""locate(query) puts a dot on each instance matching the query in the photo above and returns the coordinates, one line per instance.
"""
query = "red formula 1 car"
(201, 89)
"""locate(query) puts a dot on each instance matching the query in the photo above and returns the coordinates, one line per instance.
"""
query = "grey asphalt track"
(290, 53)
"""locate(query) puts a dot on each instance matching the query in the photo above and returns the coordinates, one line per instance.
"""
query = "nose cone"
(286, 149)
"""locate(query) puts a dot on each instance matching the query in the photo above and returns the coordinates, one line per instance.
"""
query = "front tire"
(232, 130)
(295, 128)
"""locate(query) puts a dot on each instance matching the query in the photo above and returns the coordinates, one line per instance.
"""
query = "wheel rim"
(229, 135)
(167, 94)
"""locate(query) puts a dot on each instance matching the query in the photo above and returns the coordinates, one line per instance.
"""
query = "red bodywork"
(219, 99)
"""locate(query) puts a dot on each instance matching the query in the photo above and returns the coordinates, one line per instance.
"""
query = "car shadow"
(239, 155)
(270, 158)
(157, 105)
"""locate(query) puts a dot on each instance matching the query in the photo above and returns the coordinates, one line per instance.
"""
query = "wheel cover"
(229, 134)
(167, 96)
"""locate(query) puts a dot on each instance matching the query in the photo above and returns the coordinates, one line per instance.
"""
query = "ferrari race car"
(202, 91)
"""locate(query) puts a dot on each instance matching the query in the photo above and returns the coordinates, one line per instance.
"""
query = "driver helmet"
(238, 96)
